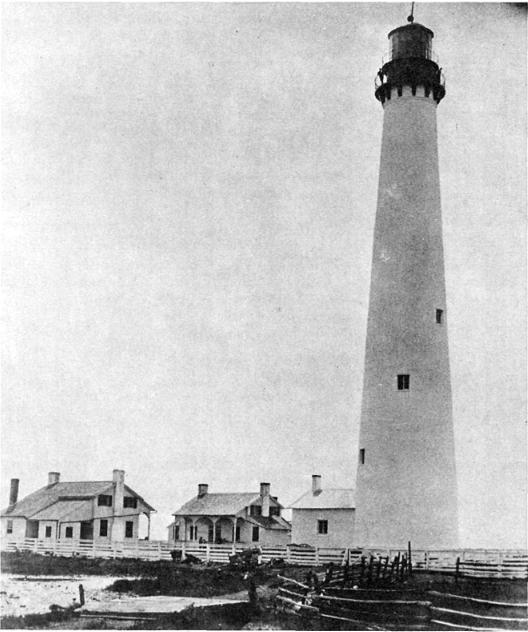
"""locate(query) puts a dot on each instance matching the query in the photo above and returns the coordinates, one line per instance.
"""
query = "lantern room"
(411, 40)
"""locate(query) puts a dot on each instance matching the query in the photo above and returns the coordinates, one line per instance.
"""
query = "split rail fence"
(397, 608)
(466, 562)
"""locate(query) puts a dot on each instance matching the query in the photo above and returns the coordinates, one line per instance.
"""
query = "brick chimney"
(53, 477)
(13, 492)
(265, 495)
(316, 485)
(119, 489)
(203, 489)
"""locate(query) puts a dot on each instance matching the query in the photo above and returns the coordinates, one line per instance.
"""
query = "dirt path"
(27, 594)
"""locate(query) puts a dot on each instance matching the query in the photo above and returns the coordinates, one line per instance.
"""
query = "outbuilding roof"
(326, 499)
(46, 497)
(275, 523)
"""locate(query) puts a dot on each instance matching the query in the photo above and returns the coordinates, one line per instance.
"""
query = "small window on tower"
(439, 316)
(362, 456)
(403, 382)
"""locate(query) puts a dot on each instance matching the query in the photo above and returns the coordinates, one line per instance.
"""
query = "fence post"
(317, 556)
(159, 550)
(288, 554)
(207, 552)
(183, 550)
(93, 549)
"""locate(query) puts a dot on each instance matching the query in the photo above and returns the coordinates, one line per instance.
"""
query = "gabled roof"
(326, 499)
(35, 503)
(217, 504)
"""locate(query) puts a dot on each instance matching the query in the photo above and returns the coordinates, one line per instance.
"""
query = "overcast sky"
(189, 194)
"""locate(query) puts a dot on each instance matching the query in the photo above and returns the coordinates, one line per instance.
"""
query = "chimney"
(265, 495)
(203, 489)
(13, 492)
(53, 477)
(316, 485)
(119, 489)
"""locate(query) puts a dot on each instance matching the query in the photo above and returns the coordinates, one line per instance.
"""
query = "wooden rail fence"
(398, 608)
(467, 562)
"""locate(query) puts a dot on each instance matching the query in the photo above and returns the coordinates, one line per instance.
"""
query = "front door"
(87, 530)
(32, 529)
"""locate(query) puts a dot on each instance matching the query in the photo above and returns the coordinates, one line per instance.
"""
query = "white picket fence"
(471, 562)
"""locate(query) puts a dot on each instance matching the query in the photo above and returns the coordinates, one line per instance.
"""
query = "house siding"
(340, 527)
(19, 527)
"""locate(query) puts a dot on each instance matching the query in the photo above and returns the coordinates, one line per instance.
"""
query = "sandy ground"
(26, 594)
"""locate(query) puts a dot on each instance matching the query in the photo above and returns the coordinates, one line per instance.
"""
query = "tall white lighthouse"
(406, 480)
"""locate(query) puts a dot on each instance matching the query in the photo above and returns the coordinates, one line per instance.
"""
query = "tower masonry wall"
(406, 487)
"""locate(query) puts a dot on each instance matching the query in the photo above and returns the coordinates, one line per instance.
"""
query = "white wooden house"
(87, 510)
(246, 518)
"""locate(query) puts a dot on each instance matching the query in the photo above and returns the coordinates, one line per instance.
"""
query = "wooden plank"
(478, 616)
(475, 600)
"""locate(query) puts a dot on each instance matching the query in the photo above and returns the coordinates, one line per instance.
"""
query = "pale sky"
(189, 193)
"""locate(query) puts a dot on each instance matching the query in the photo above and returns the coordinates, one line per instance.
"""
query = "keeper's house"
(91, 510)
(324, 517)
(245, 518)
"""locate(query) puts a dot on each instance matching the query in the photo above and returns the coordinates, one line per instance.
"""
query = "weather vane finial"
(411, 17)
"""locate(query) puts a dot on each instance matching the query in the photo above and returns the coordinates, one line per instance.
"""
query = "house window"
(193, 533)
(176, 532)
(439, 316)
(218, 532)
(129, 502)
(274, 511)
(103, 528)
(237, 534)
(48, 532)
(255, 510)
(210, 535)
(403, 382)
(9, 526)
(322, 527)
(129, 529)
(255, 534)
(362, 456)
(104, 500)
(69, 532)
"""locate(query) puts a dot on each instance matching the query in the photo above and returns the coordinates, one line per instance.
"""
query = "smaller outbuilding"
(84, 510)
(251, 518)
(324, 517)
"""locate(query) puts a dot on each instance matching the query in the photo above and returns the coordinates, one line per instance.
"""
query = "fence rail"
(470, 562)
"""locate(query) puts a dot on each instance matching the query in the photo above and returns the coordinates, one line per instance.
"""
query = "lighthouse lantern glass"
(413, 40)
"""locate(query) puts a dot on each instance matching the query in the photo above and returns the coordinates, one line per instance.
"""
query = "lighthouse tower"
(406, 480)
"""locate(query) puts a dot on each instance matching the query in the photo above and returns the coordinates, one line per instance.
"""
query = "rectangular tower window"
(255, 534)
(403, 382)
(69, 532)
(103, 528)
(9, 526)
(439, 316)
(322, 527)
(362, 456)
(48, 532)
